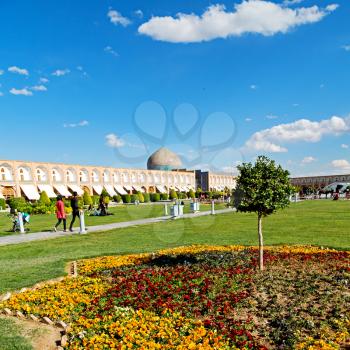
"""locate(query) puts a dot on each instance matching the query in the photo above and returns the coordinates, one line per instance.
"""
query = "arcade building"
(164, 172)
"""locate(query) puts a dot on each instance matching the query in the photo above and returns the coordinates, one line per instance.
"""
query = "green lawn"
(120, 213)
(10, 337)
(324, 223)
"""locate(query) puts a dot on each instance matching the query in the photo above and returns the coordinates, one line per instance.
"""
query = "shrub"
(104, 193)
(95, 199)
(44, 199)
(15, 203)
(191, 194)
(164, 196)
(106, 200)
(134, 198)
(2, 203)
(126, 198)
(155, 197)
(141, 197)
(87, 199)
(173, 195)
(181, 195)
(146, 197)
(117, 198)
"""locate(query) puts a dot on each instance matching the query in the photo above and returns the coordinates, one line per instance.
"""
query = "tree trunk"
(261, 243)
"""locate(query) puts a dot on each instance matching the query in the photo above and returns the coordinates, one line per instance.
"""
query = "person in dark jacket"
(74, 202)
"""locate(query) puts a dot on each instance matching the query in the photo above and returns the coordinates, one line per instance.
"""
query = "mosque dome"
(164, 159)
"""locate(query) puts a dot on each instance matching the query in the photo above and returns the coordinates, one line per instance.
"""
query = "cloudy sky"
(107, 82)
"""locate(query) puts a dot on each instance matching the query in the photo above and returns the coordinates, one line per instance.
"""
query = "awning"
(128, 188)
(110, 190)
(48, 189)
(161, 189)
(77, 189)
(98, 189)
(31, 192)
(138, 189)
(1, 195)
(120, 189)
(62, 190)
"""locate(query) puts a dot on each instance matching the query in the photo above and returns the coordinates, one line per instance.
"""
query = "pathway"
(39, 236)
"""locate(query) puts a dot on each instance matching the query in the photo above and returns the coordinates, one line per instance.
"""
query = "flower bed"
(202, 297)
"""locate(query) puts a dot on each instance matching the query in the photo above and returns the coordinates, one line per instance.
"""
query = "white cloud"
(60, 72)
(292, 2)
(308, 160)
(341, 164)
(295, 104)
(253, 87)
(272, 140)
(270, 116)
(39, 88)
(116, 18)
(248, 119)
(17, 70)
(1, 93)
(76, 125)
(24, 92)
(251, 16)
(332, 7)
(43, 80)
(110, 50)
(346, 47)
(1, 72)
(114, 141)
(345, 146)
(139, 13)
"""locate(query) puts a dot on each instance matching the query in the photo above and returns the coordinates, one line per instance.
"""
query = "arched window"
(21, 174)
(2, 173)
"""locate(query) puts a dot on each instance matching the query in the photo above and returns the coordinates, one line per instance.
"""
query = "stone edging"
(72, 273)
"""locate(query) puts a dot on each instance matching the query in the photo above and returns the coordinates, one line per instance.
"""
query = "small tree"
(262, 188)
(87, 198)
(44, 199)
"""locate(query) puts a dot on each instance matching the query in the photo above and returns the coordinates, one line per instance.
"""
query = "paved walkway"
(39, 236)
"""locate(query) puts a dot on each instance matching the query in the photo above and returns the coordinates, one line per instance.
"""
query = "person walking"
(60, 214)
(74, 202)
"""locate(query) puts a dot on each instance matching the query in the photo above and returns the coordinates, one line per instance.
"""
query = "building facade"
(319, 182)
(28, 179)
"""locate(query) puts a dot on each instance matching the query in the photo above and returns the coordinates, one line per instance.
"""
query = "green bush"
(173, 195)
(3, 203)
(104, 193)
(117, 198)
(134, 198)
(44, 199)
(15, 203)
(146, 197)
(126, 198)
(191, 194)
(95, 199)
(87, 199)
(164, 196)
(155, 197)
(141, 197)
(181, 195)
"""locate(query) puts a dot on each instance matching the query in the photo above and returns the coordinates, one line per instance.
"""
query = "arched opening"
(8, 192)
(5, 173)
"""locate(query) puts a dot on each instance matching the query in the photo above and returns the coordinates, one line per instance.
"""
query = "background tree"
(87, 198)
(44, 199)
(262, 188)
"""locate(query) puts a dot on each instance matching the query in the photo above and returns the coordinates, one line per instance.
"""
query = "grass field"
(120, 213)
(324, 223)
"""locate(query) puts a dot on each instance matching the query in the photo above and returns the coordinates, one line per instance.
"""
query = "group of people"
(74, 202)
(61, 212)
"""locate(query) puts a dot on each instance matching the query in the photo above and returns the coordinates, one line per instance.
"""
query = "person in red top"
(61, 214)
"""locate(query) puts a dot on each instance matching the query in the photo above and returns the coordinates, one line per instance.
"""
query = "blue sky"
(108, 82)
